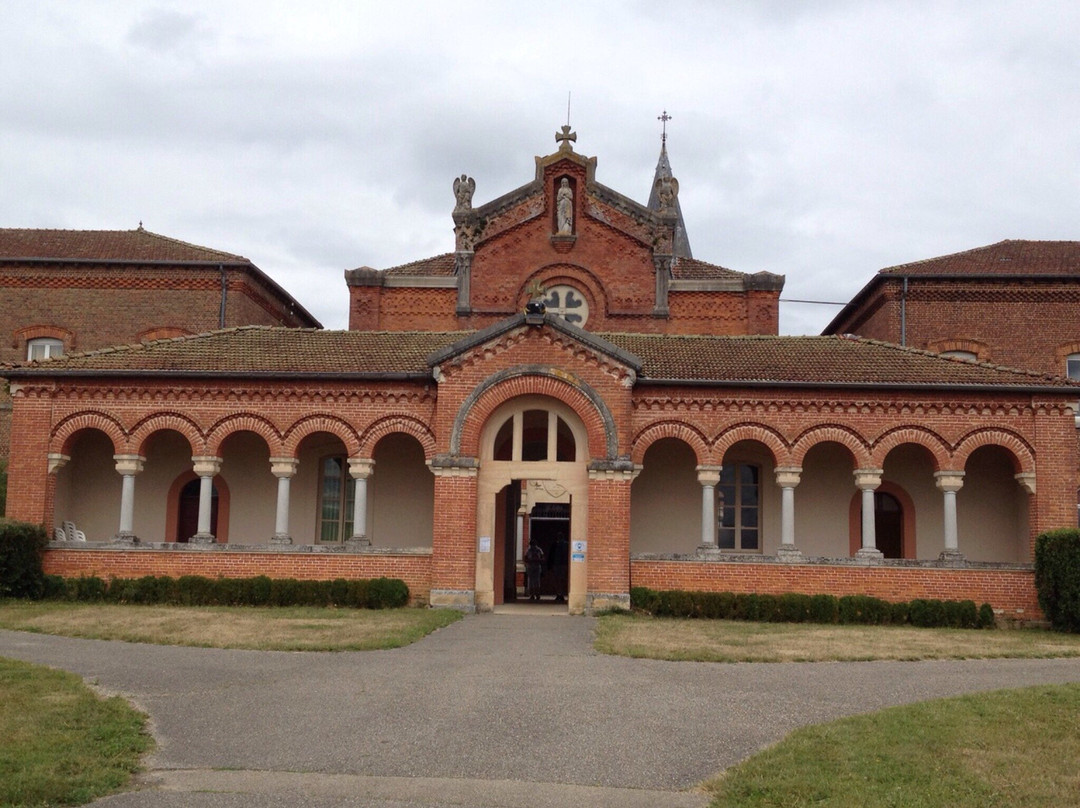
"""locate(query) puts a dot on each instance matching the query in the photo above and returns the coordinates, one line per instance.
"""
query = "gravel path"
(495, 710)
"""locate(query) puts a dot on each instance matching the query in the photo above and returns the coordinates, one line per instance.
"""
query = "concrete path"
(496, 710)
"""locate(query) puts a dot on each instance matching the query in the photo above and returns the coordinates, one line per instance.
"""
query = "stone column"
(867, 481)
(206, 467)
(127, 466)
(949, 482)
(283, 468)
(360, 468)
(708, 476)
(787, 477)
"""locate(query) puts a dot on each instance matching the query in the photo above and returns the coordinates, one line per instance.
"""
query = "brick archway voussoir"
(243, 422)
(760, 433)
(65, 431)
(831, 433)
(1022, 455)
(312, 424)
(161, 421)
(678, 430)
(937, 447)
(391, 424)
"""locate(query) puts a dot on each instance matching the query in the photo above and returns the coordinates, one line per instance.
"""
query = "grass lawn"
(258, 628)
(61, 744)
(1011, 748)
(739, 641)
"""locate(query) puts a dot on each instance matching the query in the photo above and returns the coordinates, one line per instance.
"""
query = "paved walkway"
(496, 710)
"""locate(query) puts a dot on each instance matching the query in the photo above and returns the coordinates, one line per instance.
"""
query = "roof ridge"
(182, 243)
(418, 261)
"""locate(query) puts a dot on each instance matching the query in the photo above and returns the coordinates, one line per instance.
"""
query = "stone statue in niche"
(463, 192)
(667, 188)
(564, 209)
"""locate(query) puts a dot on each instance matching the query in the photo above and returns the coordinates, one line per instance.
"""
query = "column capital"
(129, 463)
(206, 465)
(708, 475)
(360, 468)
(788, 476)
(1026, 480)
(868, 479)
(57, 461)
(283, 466)
(949, 480)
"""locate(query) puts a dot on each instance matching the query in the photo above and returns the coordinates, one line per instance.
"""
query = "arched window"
(967, 356)
(535, 435)
(43, 348)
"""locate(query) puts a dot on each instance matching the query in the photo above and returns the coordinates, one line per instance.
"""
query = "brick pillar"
(453, 545)
(608, 552)
(29, 488)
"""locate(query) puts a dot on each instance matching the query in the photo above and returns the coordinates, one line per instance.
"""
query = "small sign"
(579, 546)
(485, 544)
(577, 557)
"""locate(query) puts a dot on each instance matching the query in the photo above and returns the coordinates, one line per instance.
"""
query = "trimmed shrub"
(793, 608)
(865, 610)
(987, 619)
(387, 593)
(824, 609)
(716, 605)
(1057, 577)
(21, 549)
(644, 599)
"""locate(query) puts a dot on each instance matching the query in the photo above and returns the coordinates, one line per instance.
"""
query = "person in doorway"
(534, 568)
(557, 564)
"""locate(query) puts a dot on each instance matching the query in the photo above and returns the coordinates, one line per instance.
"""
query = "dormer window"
(43, 348)
(967, 356)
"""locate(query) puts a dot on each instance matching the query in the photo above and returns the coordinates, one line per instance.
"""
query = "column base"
(952, 557)
(281, 538)
(125, 537)
(357, 543)
(790, 554)
(869, 555)
(202, 538)
(708, 551)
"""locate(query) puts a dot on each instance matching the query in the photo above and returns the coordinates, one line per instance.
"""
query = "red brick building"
(78, 290)
(571, 376)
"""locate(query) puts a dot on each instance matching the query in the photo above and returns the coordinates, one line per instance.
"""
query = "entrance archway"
(532, 485)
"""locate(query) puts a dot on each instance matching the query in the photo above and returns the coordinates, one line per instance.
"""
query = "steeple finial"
(663, 117)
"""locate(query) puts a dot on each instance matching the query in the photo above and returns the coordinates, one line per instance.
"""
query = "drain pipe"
(903, 313)
(224, 293)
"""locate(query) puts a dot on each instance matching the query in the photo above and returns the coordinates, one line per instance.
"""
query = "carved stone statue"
(564, 209)
(463, 192)
(667, 188)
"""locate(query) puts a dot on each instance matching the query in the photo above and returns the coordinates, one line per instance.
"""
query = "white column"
(128, 466)
(283, 468)
(360, 468)
(708, 476)
(206, 467)
(949, 482)
(867, 481)
(787, 477)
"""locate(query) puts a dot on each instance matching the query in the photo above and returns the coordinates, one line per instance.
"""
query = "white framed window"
(336, 492)
(1072, 366)
(739, 507)
(967, 356)
(43, 348)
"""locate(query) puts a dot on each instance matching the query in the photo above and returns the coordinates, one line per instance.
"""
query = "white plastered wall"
(252, 488)
(822, 501)
(665, 500)
(88, 487)
(168, 455)
(991, 509)
(401, 494)
(911, 467)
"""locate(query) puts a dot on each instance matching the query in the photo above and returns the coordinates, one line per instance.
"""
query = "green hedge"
(798, 608)
(21, 548)
(195, 590)
(1057, 577)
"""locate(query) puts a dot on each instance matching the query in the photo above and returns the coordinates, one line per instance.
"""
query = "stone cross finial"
(565, 138)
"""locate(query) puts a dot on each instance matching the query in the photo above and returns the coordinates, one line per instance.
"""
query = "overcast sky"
(819, 140)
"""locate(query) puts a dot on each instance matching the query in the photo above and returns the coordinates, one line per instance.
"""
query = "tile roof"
(441, 265)
(811, 360)
(1009, 257)
(104, 245)
(267, 350)
(756, 360)
(693, 269)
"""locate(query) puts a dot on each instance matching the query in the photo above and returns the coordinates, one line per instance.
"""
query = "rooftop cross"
(565, 137)
(664, 117)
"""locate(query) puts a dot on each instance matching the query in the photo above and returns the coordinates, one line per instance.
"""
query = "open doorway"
(549, 529)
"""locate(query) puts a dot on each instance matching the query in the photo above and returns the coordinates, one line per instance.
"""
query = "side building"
(78, 290)
(568, 376)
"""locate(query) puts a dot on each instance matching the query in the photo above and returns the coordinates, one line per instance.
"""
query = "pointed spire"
(664, 179)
